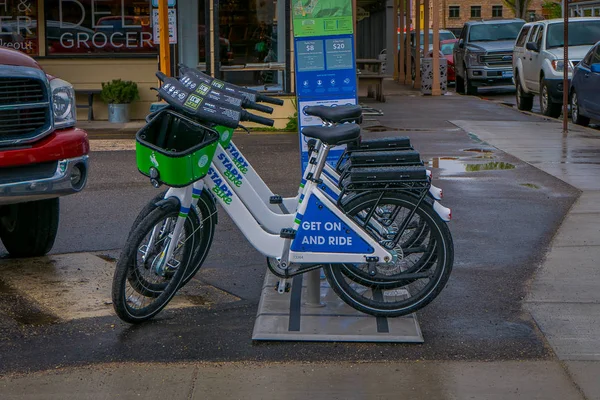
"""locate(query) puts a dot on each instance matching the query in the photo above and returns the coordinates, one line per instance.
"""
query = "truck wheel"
(470, 90)
(460, 84)
(524, 100)
(549, 108)
(29, 229)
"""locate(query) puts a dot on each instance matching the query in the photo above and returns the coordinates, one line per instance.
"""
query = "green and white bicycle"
(377, 233)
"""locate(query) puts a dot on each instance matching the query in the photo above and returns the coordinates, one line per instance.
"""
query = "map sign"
(322, 17)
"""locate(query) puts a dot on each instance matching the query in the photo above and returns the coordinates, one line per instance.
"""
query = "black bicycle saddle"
(333, 135)
(337, 114)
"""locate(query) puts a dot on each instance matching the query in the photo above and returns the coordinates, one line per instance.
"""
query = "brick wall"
(465, 11)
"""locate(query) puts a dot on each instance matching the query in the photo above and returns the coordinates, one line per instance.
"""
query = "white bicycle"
(384, 248)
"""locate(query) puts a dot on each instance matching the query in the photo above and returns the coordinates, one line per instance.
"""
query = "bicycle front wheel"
(203, 218)
(144, 281)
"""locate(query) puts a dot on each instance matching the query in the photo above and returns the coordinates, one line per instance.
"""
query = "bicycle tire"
(443, 260)
(416, 232)
(203, 213)
(128, 269)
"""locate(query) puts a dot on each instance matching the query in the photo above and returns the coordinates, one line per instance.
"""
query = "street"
(503, 221)
(506, 95)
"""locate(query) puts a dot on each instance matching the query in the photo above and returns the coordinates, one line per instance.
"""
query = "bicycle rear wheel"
(416, 285)
(415, 248)
(144, 283)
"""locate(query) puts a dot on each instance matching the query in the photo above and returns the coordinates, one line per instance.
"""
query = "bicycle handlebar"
(246, 116)
(259, 107)
(270, 100)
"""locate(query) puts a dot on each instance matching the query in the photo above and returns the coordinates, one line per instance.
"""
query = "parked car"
(42, 155)
(585, 88)
(447, 47)
(538, 60)
(483, 54)
(443, 34)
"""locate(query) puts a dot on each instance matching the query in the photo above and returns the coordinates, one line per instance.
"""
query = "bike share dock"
(311, 311)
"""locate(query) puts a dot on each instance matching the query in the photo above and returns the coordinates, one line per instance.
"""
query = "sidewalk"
(514, 380)
(564, 297)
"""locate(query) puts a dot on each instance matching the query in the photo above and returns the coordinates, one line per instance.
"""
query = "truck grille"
(20, 91)
(24, 109)
(499, 59)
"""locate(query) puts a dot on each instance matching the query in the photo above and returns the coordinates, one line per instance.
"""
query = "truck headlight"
(63, 103)
(473, 59)
(559, 66)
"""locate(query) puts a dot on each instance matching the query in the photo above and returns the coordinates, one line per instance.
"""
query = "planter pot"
(118, 113)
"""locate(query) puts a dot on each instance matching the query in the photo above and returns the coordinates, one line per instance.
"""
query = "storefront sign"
(172, 26)
(97, 26)
(18, 25)
(325, 62)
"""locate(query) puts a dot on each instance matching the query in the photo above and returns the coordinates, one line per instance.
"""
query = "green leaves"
(119, 92)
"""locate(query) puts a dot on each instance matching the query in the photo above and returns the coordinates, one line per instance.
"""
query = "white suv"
(538, 60)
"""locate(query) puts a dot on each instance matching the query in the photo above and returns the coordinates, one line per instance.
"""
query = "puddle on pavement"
(491, 166)
(479, 150)
(455, 165)
(381, 128)
(21, 310)
(530, 185)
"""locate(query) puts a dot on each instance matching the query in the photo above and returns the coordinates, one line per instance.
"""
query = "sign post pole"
(164, 48)
(324, 53)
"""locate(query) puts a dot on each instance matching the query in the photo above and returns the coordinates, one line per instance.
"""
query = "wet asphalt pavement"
(503, 221)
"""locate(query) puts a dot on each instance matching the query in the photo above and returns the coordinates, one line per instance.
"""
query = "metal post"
(402, 52)
(435, 88)
(313, 289)
(394, 46)
(566, 73)
(426, 26)
(417, 60)
(164, 49)
(408, 77)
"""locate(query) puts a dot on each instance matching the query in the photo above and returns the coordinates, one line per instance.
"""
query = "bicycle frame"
(272, 245)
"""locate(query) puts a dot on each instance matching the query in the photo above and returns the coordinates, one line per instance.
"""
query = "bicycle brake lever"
(244, 128)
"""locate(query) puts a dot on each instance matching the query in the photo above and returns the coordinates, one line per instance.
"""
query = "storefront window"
(18, 25)
(98, 26)
(251, 34)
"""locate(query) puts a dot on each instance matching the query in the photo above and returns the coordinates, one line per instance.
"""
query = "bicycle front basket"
(178, 148)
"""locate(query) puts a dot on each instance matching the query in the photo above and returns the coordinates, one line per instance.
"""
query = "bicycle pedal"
(277, 199)
(173, 264)
(143, 249)
(287, 233)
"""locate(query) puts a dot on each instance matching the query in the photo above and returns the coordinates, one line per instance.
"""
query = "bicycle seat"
(337, 114)
(333, 135)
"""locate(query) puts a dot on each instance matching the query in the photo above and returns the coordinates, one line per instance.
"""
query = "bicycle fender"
(165, 202)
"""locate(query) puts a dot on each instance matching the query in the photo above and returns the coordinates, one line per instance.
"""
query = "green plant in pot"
(118, 94)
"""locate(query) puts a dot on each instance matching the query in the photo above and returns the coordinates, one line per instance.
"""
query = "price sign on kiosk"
(324, 59)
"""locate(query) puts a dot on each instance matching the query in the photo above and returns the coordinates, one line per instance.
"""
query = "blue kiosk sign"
(324, 59)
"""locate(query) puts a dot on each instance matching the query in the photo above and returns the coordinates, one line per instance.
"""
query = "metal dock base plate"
(289, 317)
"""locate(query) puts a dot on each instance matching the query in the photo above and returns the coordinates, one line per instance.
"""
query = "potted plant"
(118, 94)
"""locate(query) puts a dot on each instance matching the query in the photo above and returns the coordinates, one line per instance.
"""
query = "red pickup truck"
(42, 155)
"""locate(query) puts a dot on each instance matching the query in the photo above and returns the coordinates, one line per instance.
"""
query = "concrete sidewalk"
(527, 380)
(564, 298)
